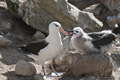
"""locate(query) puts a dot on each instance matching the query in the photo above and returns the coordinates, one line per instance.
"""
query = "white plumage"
(48, 48)
(95, 42)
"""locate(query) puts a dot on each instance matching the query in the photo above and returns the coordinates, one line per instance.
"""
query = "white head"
(77, 31)
(55, 26)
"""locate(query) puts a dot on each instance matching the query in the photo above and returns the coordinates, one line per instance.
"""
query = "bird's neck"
(54, 36)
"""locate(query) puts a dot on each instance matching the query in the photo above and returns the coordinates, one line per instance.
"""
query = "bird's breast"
(52, 49)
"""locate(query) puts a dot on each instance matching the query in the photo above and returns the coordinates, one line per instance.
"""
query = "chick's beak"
(70, 32)
(63, 31)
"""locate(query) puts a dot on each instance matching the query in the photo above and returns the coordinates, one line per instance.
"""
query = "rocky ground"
(19, 33)
(14, 30)
(16, 33)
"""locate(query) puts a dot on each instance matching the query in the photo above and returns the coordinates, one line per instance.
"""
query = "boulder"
(90, 78)
(82, 4)
(111, 4)
(86, 64)
(38, 77)
(104, 10)
(4, 42)
(92, 9)
(116, 61)
(99, 11)
(94, 64)
(3, 4)
(24, 68)
(5, 24)
(36, 14)
(38, 35)
(116, 66)
(108, 17)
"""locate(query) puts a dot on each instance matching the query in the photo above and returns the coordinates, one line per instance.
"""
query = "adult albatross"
(48, 48)
(94, 42)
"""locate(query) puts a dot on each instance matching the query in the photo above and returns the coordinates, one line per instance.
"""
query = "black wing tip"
(23, 49)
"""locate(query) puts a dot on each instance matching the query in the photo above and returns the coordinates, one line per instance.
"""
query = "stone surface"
(3, 4)
(92, 9)
(108, 17)
(38, 77)
(10, 56)
(116, 66)
(82, 4)
(93, 64)
(96, 64)
(112, 20)
(102, 9)
(4, 42)
(36, 14)
(14, 29)
(38, 35)
(24, 69)
(6, 25)
(91, 78)
(111, 4)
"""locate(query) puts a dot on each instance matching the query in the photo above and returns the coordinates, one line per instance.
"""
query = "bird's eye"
(76, 31)
(56, 25)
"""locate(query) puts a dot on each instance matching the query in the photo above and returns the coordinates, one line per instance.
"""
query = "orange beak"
(64, 32)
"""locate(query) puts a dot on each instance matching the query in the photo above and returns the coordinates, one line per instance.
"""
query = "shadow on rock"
(11, 76)
(69, 76)
(11, 56)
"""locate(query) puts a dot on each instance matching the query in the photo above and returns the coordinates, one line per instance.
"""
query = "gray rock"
(82, 4)
(38, 77)
(4, 42)
(38, 35)
(36, 14)
(109, 19)
(5, 24)
(96, 64)
(112, 20)
(25, 69)
(91, 78)
(93, 64)
(111, 4)
(3, 4)
(95, 9)
(116, 66)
